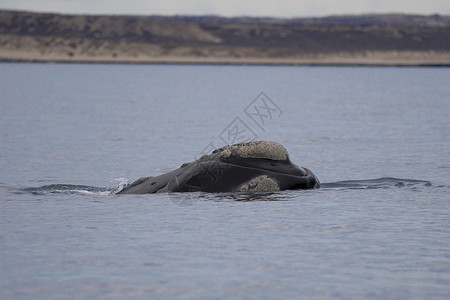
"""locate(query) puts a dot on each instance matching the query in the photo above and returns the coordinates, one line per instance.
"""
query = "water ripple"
(378, 183)
(366, 184)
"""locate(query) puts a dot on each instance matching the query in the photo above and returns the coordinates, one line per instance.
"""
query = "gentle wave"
(70, 189)
(379, 183)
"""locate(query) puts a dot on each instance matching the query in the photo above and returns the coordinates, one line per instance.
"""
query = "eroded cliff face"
(381, 39)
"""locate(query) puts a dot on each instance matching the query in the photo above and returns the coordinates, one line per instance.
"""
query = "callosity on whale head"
(258, 166)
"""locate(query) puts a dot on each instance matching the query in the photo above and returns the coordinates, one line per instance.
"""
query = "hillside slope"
(370, 39)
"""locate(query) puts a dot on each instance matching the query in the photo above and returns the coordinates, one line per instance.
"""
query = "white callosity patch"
(260, 184)
(256, 149)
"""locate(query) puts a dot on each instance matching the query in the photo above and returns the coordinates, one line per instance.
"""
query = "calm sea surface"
(71, 135)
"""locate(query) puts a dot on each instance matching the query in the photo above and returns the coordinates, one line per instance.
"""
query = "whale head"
(257, 166)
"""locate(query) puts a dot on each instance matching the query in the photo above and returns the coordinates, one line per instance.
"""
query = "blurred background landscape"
(378, 39)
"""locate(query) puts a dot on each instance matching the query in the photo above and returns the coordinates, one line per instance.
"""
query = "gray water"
(72, 135)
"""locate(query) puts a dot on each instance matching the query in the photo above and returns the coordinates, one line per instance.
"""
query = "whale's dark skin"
(227, 170)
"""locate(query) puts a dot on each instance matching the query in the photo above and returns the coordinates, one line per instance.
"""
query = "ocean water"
(378, 139)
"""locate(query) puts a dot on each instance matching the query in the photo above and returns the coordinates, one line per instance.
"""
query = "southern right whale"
(258, 166)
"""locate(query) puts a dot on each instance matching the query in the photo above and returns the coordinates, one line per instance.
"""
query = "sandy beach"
(372, 58)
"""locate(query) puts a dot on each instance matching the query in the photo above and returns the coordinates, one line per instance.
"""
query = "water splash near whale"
(70, 189)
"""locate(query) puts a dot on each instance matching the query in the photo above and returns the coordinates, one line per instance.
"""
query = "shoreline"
(382, 40)
(443, 61)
